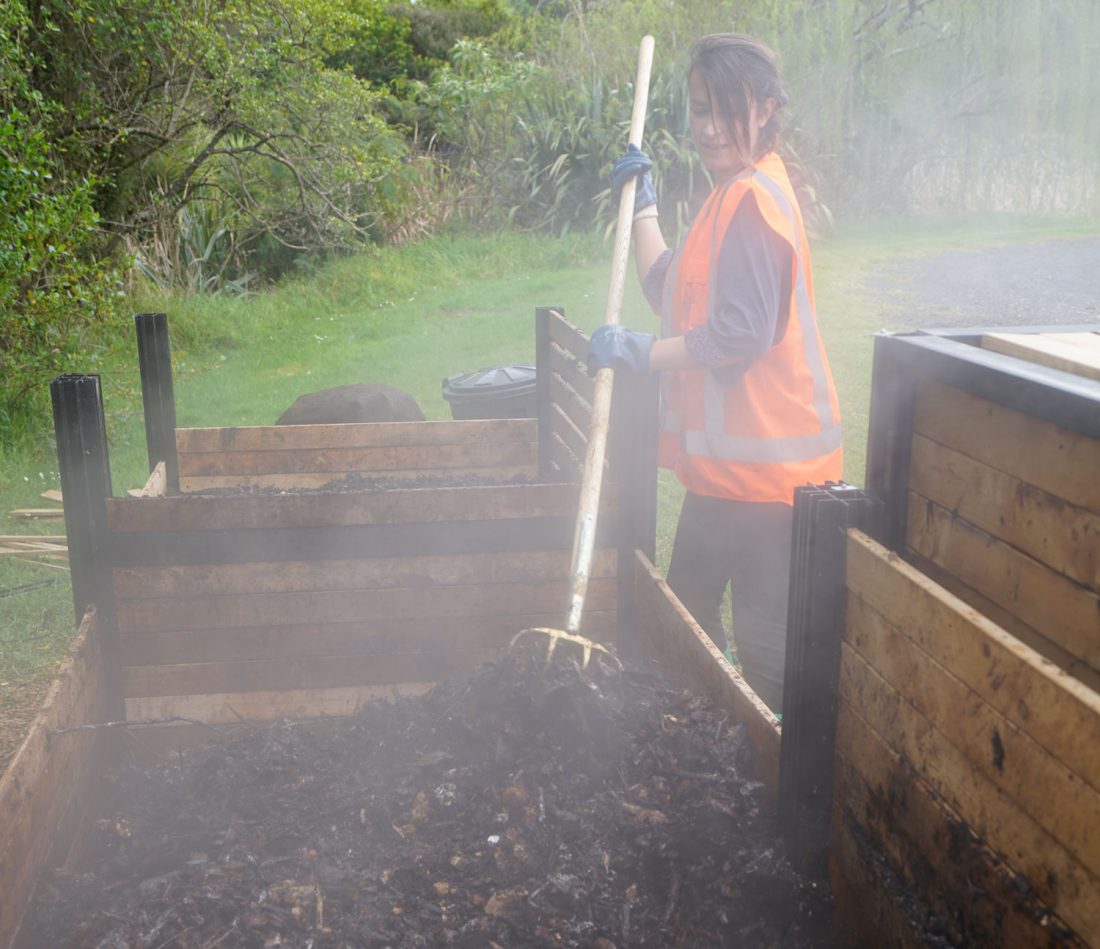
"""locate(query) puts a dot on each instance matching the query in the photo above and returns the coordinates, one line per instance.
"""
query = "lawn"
(409, 317)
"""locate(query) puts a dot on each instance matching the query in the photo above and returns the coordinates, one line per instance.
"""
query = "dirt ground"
(1054, 282)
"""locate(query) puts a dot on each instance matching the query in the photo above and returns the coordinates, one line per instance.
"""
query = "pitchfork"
(584, 534)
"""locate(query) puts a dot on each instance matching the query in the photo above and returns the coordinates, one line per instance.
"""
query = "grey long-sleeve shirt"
(753, 290)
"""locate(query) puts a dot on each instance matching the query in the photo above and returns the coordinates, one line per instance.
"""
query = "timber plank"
(670, 635)
(1059, 534)
(1056, 876)
(49, 786)
(307, 608)
(1042, 700)
(570, 404)
(293, 576)
(196, 484)
(1058, 608)
(401, 506)
(572, 374)
(240, 643)
(970, 889)
(567, 464)
(1031, 449)
(267, 706)
(316, 672)
(1053, 795)
(572, 437)
(334, 543)
(567, 336)
(1011, 624)
(1063, 352)
(354, 435)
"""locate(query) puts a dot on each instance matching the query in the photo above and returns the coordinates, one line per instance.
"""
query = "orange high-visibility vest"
(778, 425)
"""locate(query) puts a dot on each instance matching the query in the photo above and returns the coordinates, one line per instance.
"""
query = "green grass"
(409, 317)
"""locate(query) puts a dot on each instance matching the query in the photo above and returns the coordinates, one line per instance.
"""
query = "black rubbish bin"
(496, 392)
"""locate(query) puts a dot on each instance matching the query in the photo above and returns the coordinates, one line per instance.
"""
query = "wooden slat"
(1011, 624)
(1057, 877)
(568, 337)
(378, 462)
(1039, 524)
(1064, 352)
(291, 609)
(1042, 787)
(355, 435)
(50, 786)
(195, 484)
(669, 634)
(266, 706)
(1064, 612)
(931, 850)
(1048, 704)
(563, 459)
(573, 374)
(1031, 449)
(292, 576)
(145, 648)
(316, 672)
(412, 506)
(157, 483)
(569, 402)
(573, 438)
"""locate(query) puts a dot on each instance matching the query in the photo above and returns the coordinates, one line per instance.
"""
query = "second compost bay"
(524, 806)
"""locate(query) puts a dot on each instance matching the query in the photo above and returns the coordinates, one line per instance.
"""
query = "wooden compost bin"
(273, 603)
(966, 802)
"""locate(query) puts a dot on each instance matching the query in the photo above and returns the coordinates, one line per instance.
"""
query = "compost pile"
(527, 805)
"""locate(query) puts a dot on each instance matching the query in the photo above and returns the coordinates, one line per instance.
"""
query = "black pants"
(747, 546)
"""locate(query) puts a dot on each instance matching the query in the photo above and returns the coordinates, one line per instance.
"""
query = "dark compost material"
(527, 805)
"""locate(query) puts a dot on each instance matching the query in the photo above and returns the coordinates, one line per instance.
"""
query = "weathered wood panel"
(50, 787)
(1058, 712)
(570, 404)
(197, 484)
(428, 601)
(572, 374)
(148, 582)
(668, 633)
(1065, 612)
(1033, 450)
(569, 337)
(882, 800)
(1051, 530)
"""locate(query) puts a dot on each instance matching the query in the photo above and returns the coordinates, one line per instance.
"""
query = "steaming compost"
(526, 805)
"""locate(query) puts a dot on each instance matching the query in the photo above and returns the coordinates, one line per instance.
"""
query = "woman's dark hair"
(738, 71)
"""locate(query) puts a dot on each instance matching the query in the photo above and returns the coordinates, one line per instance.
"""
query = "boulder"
(361, 402)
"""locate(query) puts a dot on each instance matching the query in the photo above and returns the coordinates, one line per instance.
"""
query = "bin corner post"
(543, 315)
(85, 472)
(633, 458)
(157, 395)
(890, 436)
(816, 621)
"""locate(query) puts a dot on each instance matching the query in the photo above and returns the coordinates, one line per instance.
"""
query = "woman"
(749, 409)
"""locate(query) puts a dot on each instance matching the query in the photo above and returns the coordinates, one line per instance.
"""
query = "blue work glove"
(619, 348)
(634, 163)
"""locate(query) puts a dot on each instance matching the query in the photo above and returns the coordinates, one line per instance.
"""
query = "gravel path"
(1052, 282)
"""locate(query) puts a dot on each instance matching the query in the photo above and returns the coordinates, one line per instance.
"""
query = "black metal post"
(890, 436)
(157, 395)
(85, 484)
(542, 384)
(815, 629)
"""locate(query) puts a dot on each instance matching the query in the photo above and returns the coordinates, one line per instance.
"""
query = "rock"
(360, 402)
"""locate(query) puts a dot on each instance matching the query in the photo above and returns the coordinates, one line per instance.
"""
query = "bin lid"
(490, 383)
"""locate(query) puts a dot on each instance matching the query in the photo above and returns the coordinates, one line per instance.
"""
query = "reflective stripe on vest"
(713, 441)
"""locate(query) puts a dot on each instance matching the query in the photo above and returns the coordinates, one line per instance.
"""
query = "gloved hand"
(619, 348)
(634, 163)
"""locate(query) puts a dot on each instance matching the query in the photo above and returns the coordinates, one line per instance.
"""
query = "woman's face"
(724, 152)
